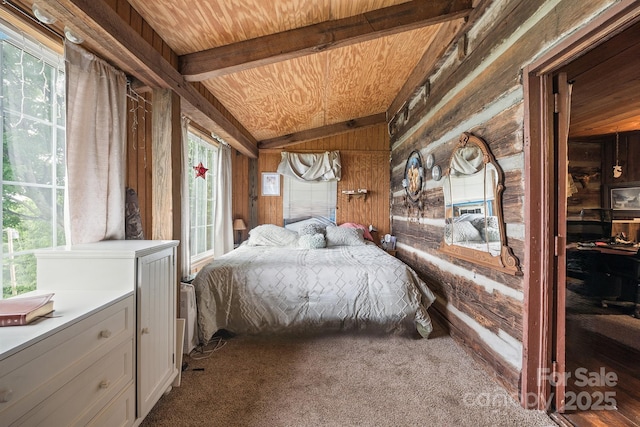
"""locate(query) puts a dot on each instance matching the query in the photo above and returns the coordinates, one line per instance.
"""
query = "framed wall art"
(413, 176)
(624, 199)
(270, 184)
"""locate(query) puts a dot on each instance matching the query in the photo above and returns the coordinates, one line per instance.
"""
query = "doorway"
(571, 357)
(598, 265)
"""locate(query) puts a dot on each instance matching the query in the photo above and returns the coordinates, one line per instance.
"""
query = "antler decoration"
(585, 178)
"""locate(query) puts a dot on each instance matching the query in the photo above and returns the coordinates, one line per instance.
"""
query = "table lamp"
(239, 226)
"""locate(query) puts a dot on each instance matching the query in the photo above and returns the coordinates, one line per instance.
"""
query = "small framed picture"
(270, 184)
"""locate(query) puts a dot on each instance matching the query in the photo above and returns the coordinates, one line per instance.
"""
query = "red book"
(18, 311)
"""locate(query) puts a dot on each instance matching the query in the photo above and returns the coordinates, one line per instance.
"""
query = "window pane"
(28, 84)
(28, 211)
(18, 275)
(33, 159)
(27, 154)
(309, 198)
(202, 196)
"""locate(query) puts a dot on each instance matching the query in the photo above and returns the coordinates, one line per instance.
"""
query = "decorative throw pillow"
(488, 228)
(463, 231)
(479, 223)
(365, 230)
(340, 236)
(272, 235)
(312, 241)
(490, 234)
(312, 229)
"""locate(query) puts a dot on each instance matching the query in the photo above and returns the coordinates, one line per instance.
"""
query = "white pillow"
(272, 235)
(312, 229)
(312, 241)
(463, 231)
(340, 236)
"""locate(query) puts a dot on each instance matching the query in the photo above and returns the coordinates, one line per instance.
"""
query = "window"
(33, 156)
(303, 199)
(202, 197)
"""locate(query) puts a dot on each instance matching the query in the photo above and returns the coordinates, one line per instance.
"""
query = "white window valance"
(311, 166)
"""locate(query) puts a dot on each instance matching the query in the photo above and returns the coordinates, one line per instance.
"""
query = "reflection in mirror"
(474, 228)
(470, 218)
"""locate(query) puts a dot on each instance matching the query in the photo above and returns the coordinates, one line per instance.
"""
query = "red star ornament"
(201, 171)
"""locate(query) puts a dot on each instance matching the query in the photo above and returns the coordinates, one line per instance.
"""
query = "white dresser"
(108, 355)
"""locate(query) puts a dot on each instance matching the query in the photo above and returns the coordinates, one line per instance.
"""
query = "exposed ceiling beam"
(326, 35)
(323, 132)
(95, 20)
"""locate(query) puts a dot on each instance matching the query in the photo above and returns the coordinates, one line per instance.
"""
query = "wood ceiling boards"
(606, 87)
(301, 78)
(313, 67)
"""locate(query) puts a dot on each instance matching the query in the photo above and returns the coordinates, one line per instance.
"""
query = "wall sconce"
(42, 16)
(239, 226)
(72, 37)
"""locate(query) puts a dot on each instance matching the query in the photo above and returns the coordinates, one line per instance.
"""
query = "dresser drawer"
(84, 396)
(36, 372)
(121, 412)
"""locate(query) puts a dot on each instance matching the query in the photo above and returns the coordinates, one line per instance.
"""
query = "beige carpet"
(339, 380)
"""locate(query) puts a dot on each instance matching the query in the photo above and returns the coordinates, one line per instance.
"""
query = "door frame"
(540, 340)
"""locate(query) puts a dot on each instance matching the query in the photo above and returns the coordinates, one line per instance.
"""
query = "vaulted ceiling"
(293, 70)
(286, 70)
(286, 66)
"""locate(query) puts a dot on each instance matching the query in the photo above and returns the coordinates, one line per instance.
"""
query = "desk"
(611, 272)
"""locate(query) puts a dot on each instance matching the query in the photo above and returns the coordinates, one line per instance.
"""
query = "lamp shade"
(238, 224)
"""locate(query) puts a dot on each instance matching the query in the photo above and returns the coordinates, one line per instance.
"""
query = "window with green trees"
(33, 156)
(202, 197)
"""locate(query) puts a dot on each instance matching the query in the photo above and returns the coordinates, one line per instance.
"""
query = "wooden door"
(562, 94)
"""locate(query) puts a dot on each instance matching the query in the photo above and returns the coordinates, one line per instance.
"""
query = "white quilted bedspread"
(254, 290)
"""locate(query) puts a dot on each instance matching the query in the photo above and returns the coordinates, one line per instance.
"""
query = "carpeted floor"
(339, 380)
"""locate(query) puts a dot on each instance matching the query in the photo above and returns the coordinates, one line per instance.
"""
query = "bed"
(282, 281)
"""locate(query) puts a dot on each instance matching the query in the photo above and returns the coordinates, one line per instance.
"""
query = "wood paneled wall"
(479, 90)
(139, 155)
(365, 164)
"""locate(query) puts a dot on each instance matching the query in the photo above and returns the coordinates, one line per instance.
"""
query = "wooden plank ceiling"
(287, 67)
(606, 87)
(286, 70)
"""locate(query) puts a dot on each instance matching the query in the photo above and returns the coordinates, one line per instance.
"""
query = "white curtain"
(96, 136)
(467, 160)
(185, 174)
(311, 166)
(223, 223)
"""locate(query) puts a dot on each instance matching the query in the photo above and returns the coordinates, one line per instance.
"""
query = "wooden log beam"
(107, 33)
(326, 35)
(322, 132)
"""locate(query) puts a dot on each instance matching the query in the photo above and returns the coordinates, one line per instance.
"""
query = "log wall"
(591, 163)
(478, 90)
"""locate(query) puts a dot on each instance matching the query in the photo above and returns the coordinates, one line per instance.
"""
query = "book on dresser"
(19, 311)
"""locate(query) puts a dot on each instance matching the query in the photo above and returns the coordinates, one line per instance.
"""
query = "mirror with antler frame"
(474, 226)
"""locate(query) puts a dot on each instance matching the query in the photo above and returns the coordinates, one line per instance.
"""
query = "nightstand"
(391, 252)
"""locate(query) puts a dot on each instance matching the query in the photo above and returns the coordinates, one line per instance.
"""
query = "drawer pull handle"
(105, 334)
(6, 395)
(145, 331)
(104, 384)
